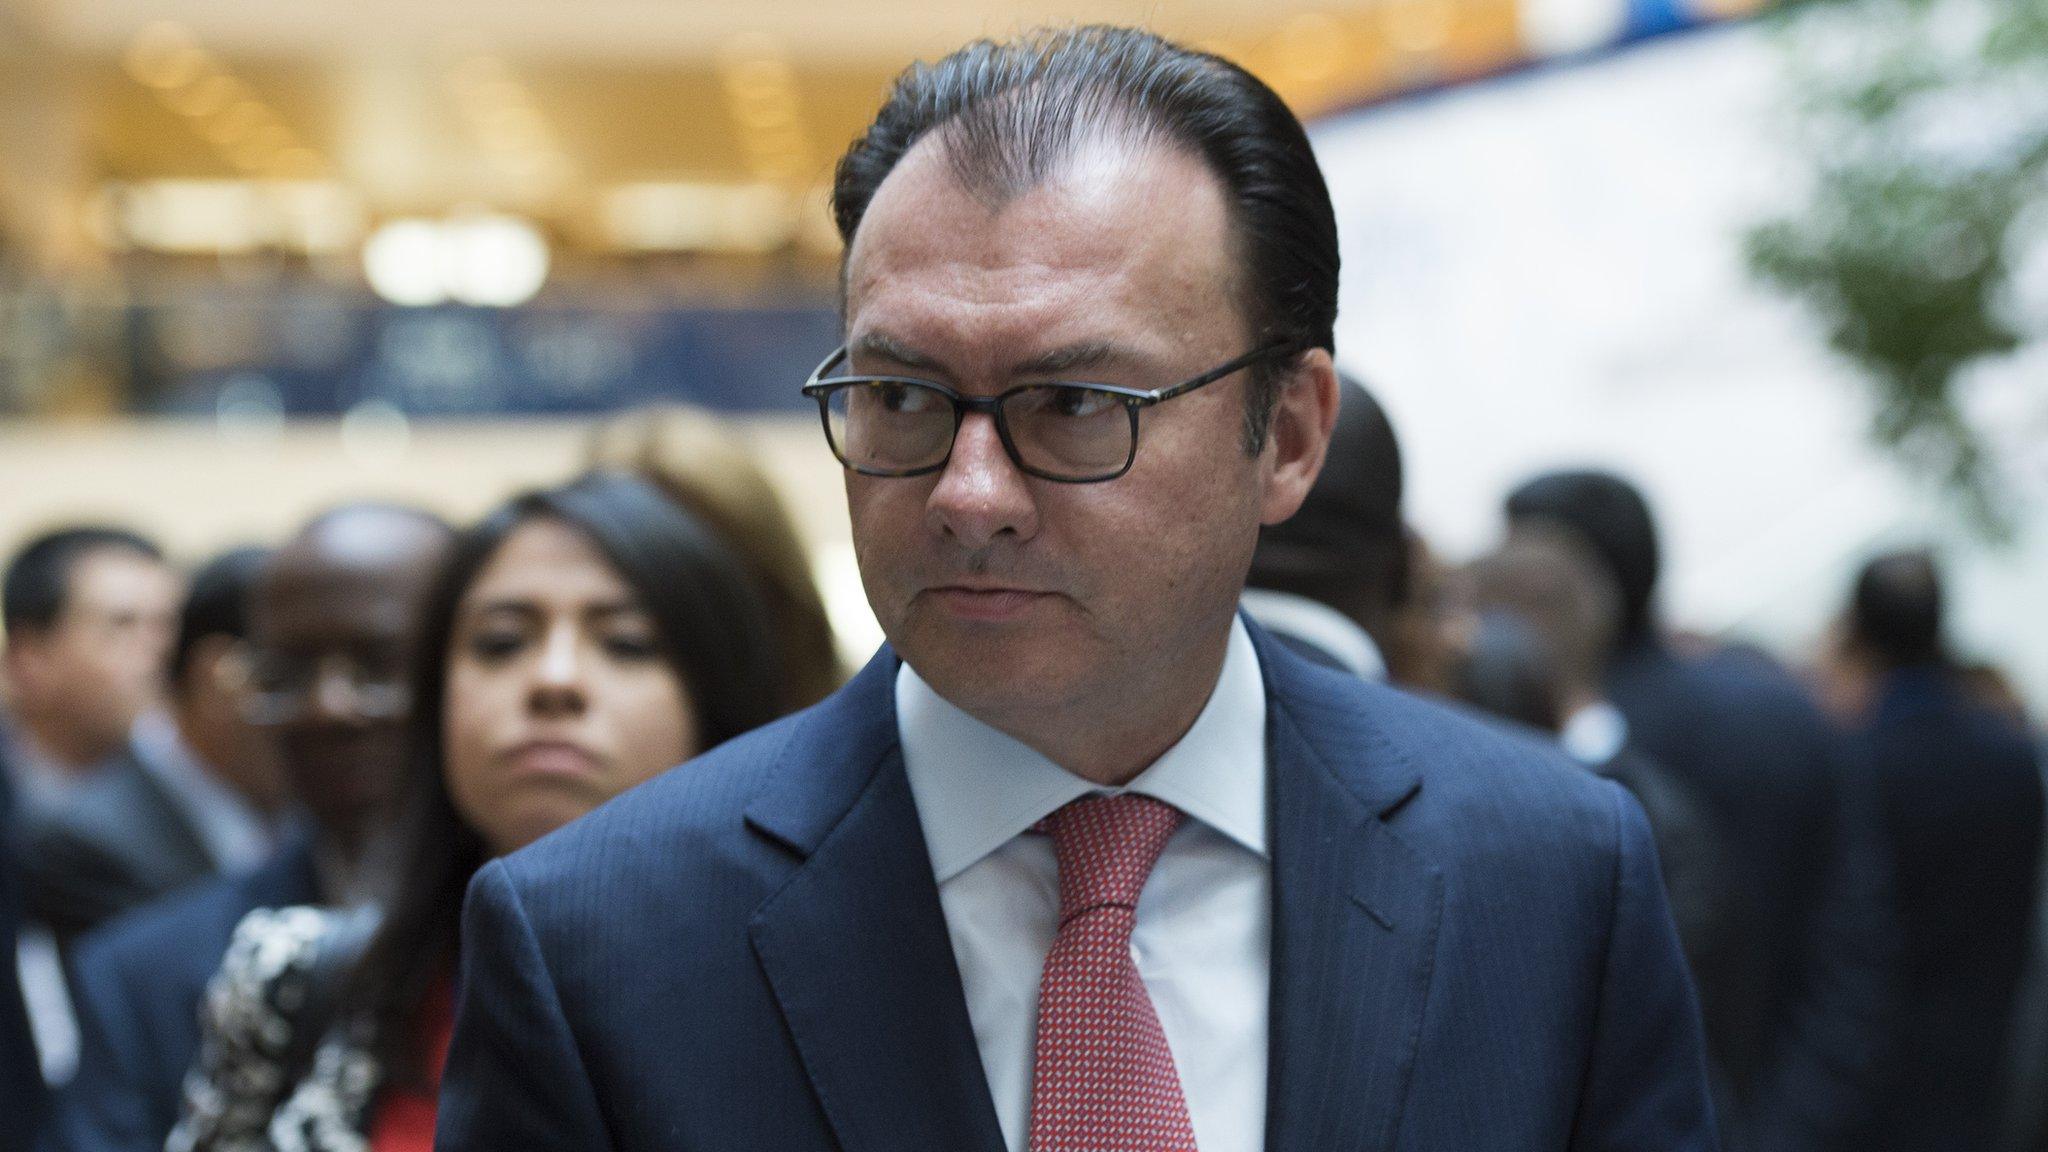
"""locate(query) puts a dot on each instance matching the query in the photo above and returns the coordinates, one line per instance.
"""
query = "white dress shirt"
(1203, 939)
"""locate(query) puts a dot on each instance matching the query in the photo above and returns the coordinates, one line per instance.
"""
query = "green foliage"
(1926, 122)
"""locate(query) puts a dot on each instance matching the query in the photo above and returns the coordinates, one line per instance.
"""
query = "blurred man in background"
(89, 614)
(1961, 798)
(332, 625)
(200, 792)
(1547, 612)
(1328, 581)
(1797, 1008)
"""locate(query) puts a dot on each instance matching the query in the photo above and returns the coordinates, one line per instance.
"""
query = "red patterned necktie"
(1103, 1080)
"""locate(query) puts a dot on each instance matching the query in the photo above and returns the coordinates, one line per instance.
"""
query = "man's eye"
(904, 398)
(1081, 403)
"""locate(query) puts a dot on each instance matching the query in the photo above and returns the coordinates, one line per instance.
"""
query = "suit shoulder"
(699, 799)
(176, 928)
(1484, 783)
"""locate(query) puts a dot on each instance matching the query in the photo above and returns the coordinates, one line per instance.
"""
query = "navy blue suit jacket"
(21, 1073)
(1470, 950)
(136, 983)
(1962, 803)
(1802, 1000)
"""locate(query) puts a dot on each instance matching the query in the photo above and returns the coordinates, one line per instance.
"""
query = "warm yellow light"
(238, 123)
(1417, 27)
(1311, 48)
(165, 55)
(208, 96)
(694, 217)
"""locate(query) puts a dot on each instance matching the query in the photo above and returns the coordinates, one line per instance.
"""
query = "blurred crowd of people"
(243, 801)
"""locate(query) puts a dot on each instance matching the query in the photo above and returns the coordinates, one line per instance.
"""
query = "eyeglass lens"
(1061, 430)
(283, 689)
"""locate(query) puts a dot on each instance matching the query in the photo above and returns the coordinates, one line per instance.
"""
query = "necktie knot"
(1106, 847)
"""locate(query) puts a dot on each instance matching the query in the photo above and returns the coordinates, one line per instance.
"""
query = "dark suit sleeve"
(515, 1076)
(1819, 1089)
(21, 1077)
(75, 883)
(1646, 1078)
(107, 1107)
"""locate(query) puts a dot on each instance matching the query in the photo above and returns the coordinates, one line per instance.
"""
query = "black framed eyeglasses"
(1066, 431)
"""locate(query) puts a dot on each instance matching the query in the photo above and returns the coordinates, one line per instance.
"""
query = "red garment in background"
(405, 1116)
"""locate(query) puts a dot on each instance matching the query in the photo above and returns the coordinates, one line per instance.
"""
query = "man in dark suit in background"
(1328, 580)
(1545, 579)
(1798, 1011)
(1961, 798)
(200, 792)
(88, 612)
(21, 1072)
(1083, 860)
(332, 626)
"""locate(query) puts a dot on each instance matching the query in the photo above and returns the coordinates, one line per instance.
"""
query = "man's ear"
(1303, 414)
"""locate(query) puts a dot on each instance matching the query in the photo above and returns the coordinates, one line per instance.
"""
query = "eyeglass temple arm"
(1220, 371)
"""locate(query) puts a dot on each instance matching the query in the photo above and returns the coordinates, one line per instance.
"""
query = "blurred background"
(1784, 268)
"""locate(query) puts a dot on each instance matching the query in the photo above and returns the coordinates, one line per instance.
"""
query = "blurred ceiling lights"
(762, 97)
(221, 108)
(507, 122)
(727, 150)
(479, 259)
(226, 217)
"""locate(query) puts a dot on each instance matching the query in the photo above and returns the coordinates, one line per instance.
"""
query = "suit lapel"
(1355, 916)
(173, 852)
(855, 944)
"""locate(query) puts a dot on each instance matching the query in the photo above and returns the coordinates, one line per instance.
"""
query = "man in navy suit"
(331, 625)
(1082, 860)
(1960, 794)
(1799, 1005)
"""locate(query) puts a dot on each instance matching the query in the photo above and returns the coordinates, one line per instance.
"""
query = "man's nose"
(981, 495)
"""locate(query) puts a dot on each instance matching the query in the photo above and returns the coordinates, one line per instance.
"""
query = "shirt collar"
(1314, 622)
(977, 788)
(41, 783)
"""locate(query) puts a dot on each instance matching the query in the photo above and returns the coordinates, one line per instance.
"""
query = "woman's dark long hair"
(714, 633)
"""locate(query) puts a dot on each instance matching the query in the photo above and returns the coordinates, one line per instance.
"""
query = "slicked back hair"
(1010, 113)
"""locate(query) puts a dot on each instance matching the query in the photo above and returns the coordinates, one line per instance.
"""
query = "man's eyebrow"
(1085, 355)
(883, 346)
(1088, 354)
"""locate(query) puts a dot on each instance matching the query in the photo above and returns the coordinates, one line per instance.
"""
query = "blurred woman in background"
(705, 464)
(582, 640)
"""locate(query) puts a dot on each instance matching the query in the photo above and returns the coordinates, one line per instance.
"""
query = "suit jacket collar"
(855, 944)
(1355, 913)
(856, 950)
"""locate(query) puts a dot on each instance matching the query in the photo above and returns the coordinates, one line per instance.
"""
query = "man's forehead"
(1104, 212)
(342, 605)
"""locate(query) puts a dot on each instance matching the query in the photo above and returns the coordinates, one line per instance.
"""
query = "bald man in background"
(332, 628)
